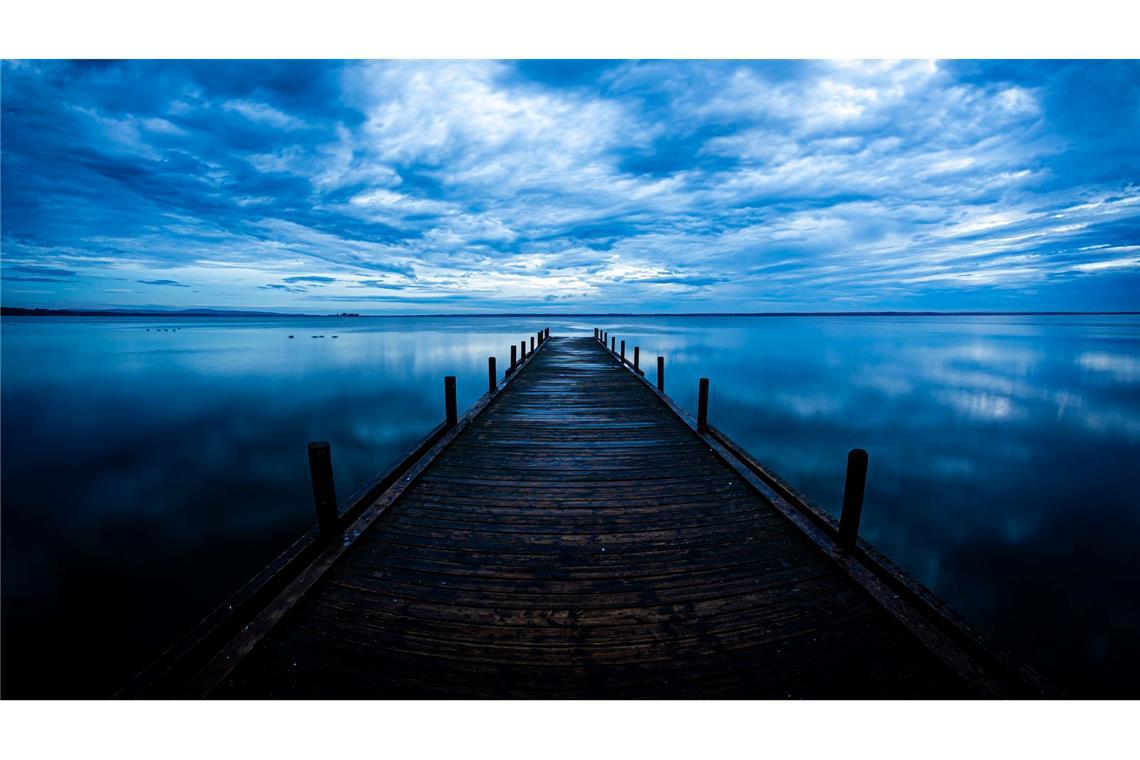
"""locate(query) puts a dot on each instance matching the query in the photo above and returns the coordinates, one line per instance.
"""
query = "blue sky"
(400, 187)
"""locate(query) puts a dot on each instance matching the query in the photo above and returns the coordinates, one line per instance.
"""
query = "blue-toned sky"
(572, 186)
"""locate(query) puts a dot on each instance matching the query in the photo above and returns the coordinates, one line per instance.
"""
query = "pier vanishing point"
(576, 534)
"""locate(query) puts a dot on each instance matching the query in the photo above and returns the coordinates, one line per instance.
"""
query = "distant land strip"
(15, 311)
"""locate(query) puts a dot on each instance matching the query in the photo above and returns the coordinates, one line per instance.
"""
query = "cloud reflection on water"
(1002, 452)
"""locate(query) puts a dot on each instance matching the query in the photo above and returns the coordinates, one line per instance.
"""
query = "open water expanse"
(150, 466)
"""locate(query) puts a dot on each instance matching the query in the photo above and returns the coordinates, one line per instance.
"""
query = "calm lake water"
(151, 466)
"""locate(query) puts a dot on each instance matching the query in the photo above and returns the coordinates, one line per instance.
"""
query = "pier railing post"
(532, 344)
(661, 373)
(546, 334)
(449, 400)
(613, 345)
(703, 405)
(623, 352)
(853, 497)
(636, 356)
(514, 356)
(492, 374)
(324, 493)
(522, 350)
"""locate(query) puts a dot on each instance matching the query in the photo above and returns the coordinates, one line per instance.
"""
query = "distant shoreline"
(11, 311)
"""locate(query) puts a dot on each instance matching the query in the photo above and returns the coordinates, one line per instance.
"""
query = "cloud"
(29, 273)
(172, 283)
(1099, 266)
(283, 288)
(659, 185)
(266, 114)
(44, 271)
(315, 279)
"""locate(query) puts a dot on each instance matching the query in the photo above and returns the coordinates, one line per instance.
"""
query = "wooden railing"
(856, 477)
(619, 354)
(870, 568)
(839, 539)
(192, 651)
(320, 454)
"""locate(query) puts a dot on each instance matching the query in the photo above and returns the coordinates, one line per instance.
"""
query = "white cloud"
(804, 183)
(1103, 264)
(265, 114)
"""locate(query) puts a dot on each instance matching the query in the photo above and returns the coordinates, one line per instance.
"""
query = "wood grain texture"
(577, 540)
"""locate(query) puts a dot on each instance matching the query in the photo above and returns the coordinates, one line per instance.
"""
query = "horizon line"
(15, 311)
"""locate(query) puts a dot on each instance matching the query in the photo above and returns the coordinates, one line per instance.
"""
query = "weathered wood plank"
(576, 538)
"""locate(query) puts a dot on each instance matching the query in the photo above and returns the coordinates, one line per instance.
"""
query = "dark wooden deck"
(576, 537)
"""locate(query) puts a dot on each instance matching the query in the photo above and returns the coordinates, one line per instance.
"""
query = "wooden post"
(532, 344)
(703, 405)
(595, 333)
(853, 497)
(492, 375)
(661, 373)
(623, 352)
(613, 345)
(522, 350)
(324, 494)
(546, 334)
(514, 356)
(636, 356)
(449, 400)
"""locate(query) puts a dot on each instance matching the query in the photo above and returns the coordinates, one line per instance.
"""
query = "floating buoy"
(290, 336)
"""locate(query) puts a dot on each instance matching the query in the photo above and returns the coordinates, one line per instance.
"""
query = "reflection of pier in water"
(576, 534)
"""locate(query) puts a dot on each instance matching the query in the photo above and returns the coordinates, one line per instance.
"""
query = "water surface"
(150, 466)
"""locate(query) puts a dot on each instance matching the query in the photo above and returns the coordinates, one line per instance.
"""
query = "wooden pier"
(576, 534)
